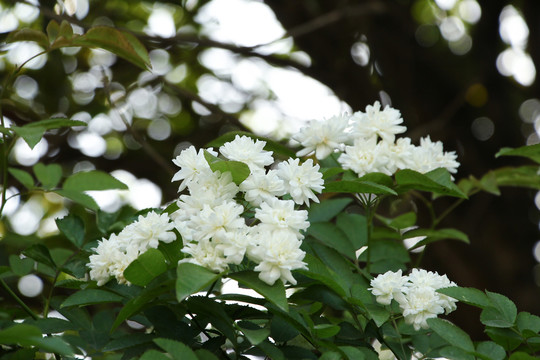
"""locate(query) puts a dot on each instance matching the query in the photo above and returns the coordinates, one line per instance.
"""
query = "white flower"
(246, 150)
(277, 256)
(323, 137)
(366, 156)
(112, 256)
(422, 278)
(419, 304)
(280, 214)
(399, 154)
(206, 254)
(301, 180)
(213, 188)
(191, 164)
(149, 230)
(387, 285)
(212, 221)
(383, 123)
(259, 187)
(234, 244)
(430, 156)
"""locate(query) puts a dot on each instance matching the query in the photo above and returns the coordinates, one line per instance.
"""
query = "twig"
(18, 300)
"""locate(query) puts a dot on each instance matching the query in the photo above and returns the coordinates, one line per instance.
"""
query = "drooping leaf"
(29, 335)
(91, 296)
(326, 210)
(20, 266)
(23, 177)
(273, 293)
(271, 145)
(118, 42)
(33, 132)
(48, 175)
(73, 228)
(437, 181)
(530, 151)
(193, 278)
(357, 186)
(146, 267)
(41, 254)
(451, 333)
(29, 35)
(92, 180)
(433, 235)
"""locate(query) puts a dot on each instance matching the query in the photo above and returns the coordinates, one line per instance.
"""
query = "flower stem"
(18, 300)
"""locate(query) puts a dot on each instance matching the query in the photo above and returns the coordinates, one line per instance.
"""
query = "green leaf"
(527, 321)
(491, 350)
(355, 228)
(357, 186)
(178, 350)
(203, 354)
(118, 42)
(438, 181)
(253, 332)
(33, 132)
(91, 296)
(273, 293)
(238, 170)
(530, 151)
(456, 353)
(41, 254)
(80, 198)
(48, 175)
(20, 266)
(146, 267)
(353, 353)
(271, 145)
(193, 278)
(332, 236)
(451, 333)
(92, 180)
(400, 222)
(23, 177)
(524, 176)
(29, 335)
(522, 356)
(28, 35)
(51, 325)
(154, 355)
(326, 210)
(52, 30)
(66, 31)
(467, 295)
(325, 330)
(73, 228)
(505, 337)
(501, 314)
(435, 235)
(317, 270)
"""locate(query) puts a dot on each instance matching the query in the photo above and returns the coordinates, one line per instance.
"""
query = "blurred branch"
(335, 16)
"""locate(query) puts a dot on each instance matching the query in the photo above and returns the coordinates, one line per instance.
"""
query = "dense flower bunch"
(113, 255)
(367, 142)
(416, 294)
(211, 218)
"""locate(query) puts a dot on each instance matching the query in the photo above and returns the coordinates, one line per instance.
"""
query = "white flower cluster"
(416, 294)
(210, 217)
(113, 255)
(369, 144)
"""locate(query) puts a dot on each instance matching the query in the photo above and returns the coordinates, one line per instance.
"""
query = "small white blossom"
(112, 256)
(366, 156)
(249, 152)
(216, 220)
(420, 304)
(280, 214)
(430, 156)
(149, 230)
(205, 254)
(387, 285)
(259, 187)
(192, 164)
(323, 137)
(376, 122)
(301, 181)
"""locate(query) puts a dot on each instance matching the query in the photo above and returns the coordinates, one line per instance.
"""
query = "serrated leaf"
(437, 181)
(467, 295)
(48, 175)
(527, 321)
(271, 145)
(502, 312)
(176, 349)
(146, 267)
(193, 278)
(273, 293)
(23, 177)
(435, 235)
(357, 186)
(530, 151)
(73, 228)
(491, 350)
(118, 42)
(41, 254)
(92, 180)
(29, 35)
(91, 296)
(451, 333)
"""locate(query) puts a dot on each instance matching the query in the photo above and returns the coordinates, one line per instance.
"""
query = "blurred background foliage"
(460, 71)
